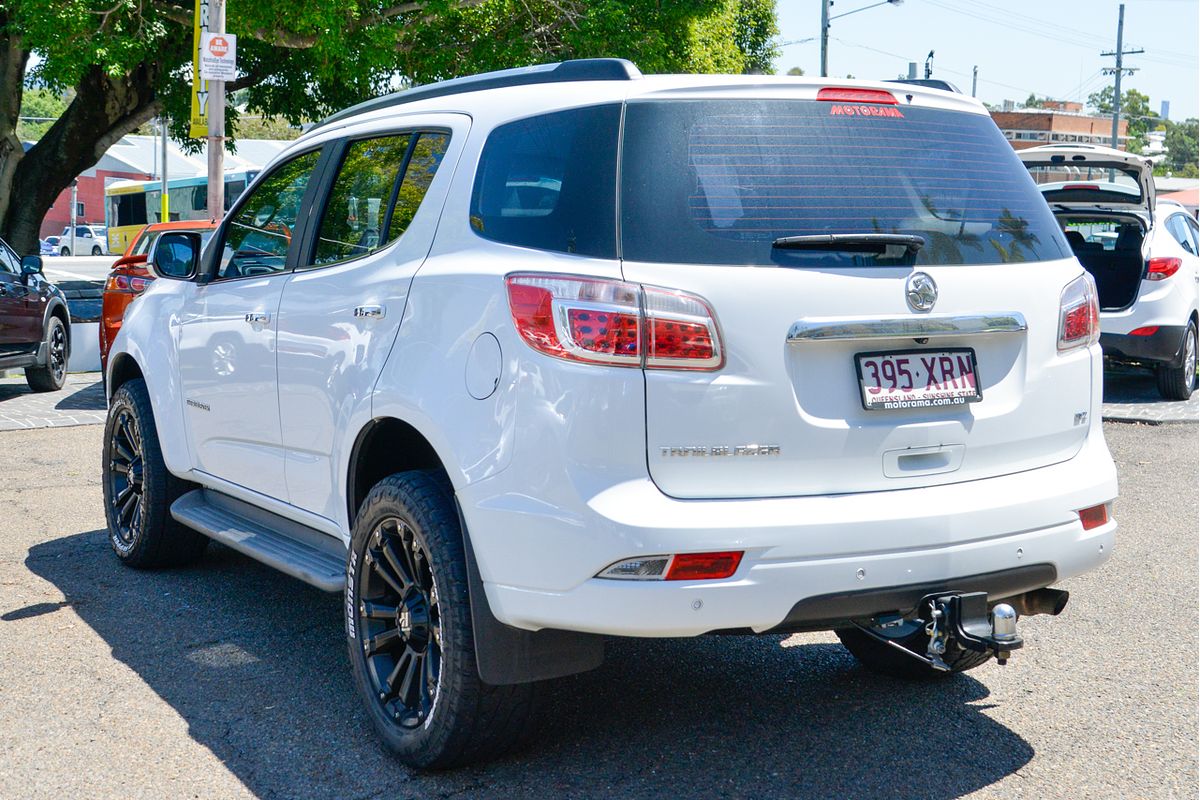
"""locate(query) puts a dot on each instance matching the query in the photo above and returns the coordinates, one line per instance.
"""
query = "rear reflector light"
(1078, 315)
(1159, 269)
(848, 95)
(1149, 330)
(703, 566)
(614, 322)
(681, 567)
(1094, 517)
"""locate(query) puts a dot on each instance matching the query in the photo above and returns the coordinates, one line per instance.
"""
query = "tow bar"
(964, 618)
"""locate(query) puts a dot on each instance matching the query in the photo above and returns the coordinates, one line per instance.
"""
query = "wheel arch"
(384, 446)
(122, 369)
(58, 308)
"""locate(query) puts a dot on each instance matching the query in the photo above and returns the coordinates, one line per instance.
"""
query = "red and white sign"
(218, 56)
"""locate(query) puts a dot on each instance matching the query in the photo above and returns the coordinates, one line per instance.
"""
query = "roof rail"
(928, 83)
(583, 69)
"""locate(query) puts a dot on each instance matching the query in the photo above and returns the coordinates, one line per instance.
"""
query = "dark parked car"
(35, 328)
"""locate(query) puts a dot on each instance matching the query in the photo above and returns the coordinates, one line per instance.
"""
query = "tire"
(887, 660)
(138, 489)
(409, 634)
(64, 252)
(51, 376)
(1177, 381)
(96, 250)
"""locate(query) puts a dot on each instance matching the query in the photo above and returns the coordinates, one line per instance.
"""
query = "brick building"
(1057, 122)
(89, 194)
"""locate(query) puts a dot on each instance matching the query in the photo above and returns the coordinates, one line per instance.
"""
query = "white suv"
(1143, 254)
(520, 361)
(90, 240)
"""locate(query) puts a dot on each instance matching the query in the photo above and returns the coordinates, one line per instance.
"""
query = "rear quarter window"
(549, 182)
(718, 181)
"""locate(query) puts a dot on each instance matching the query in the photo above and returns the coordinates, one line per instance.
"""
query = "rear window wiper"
(850, 242)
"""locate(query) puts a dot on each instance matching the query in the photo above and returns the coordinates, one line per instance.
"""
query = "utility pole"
(216, 124)
(1118, 70)
(974, 79)
(74, 208)
(825, 4)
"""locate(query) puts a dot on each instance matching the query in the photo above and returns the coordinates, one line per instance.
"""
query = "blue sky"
(1051, 47)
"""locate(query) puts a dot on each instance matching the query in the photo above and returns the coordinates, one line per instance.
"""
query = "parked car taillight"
(613, 322)
(1159, 269)
(128, 284)
(1078, 314)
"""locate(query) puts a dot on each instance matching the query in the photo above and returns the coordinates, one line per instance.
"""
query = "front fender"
(149, 336)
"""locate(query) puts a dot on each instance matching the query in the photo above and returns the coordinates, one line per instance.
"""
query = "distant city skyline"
(1020, 46)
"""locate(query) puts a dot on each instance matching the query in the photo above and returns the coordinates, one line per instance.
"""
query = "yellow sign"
(199, 126)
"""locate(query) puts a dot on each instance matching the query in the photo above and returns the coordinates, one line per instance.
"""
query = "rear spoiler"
(928, 83)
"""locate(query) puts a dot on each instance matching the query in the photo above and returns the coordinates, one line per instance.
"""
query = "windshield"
(719, 181)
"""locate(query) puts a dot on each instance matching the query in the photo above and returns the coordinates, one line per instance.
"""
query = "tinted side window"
(549, 182)
(1177, 226)
(422, 165)
(8, 260)
(259, 235)
(357, 208)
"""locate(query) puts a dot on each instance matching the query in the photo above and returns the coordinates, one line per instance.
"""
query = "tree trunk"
(104, 110)
(13, 58)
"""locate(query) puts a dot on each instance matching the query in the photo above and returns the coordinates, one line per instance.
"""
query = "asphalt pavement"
(229, 680)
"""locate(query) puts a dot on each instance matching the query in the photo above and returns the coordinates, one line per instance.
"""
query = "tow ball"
(963, 617)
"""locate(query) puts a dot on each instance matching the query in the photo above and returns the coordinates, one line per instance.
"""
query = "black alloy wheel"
(51, 376)
(138, 488)
(400, 620)
(126, 481)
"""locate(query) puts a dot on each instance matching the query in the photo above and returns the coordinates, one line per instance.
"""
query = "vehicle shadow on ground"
(255, 663)
(86, 398)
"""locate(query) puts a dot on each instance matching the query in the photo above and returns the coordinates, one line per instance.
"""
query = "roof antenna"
(929, 65)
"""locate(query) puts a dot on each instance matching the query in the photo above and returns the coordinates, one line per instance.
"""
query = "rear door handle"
(370, 312)
(258, 318)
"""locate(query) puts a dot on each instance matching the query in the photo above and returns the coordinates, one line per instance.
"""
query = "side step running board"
(294, 549)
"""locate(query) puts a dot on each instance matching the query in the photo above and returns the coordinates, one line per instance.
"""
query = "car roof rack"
(928, 83)
(583, 69)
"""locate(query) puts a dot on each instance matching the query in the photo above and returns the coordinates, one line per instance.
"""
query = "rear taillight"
(613, 322)
(838, 94)
(1094, 517)
(127, 284)
(1078, 314)
(1159, 269)
(678, 567)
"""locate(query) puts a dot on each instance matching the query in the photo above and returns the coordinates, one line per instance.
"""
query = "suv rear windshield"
(718, 181)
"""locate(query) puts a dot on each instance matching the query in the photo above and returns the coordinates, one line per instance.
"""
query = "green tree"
(1135, 110)
(795, 72)
(39, 109)
(1183, 143)
(127, 61)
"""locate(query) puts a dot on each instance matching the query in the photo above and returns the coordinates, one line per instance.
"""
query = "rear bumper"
(809, 561)
(1159, 347)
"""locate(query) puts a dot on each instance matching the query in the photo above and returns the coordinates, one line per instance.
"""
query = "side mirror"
(31, 265)
(176, 255)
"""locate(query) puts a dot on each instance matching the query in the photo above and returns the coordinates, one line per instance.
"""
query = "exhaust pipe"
(1040, 601)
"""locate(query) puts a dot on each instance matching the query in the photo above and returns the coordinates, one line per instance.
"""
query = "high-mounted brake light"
(614, 322)
(1088, 186)
(1159, 269)
(1078, 314)
(838, 94)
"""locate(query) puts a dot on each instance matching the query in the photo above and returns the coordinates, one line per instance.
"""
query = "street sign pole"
(216, 124)
(165, 212)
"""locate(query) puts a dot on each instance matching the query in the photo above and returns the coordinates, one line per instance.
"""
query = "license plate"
(917, 379)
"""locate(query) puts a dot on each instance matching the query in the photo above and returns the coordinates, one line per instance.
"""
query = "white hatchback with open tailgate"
(522, 361)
